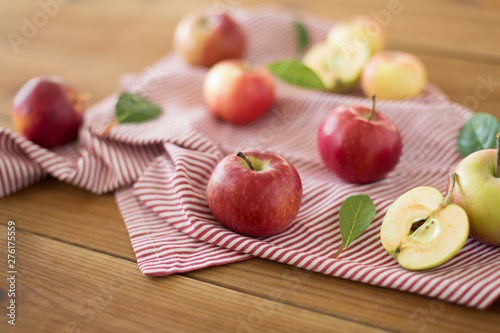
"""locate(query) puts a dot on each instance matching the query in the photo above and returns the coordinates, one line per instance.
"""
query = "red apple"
(205, 38)
(255, 193)
(238, 92)
(393, 75)
(359, 144)
(48, 111)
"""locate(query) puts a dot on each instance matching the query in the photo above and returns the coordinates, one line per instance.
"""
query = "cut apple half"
(422, 229)
(339, 67)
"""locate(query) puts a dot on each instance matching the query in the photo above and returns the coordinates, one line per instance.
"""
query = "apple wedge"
(359, 29)
(422, 229)
(339, 67)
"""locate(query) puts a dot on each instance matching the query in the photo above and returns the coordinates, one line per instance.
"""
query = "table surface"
(77, 271)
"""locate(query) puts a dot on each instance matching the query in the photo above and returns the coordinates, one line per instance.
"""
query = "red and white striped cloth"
(160, 170)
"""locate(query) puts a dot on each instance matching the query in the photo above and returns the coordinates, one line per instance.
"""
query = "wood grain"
(77, 267)
(388, 309)
(93, 56)
(65, 288)
(64, 212)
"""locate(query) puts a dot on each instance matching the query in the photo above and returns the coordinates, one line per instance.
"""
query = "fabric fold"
(159, 170)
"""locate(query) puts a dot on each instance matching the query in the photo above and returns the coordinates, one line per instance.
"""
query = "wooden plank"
(61, 211)
(62, 48)
(462, 29)
(473, 84)
(64, 288)
(389, 309)
(452, 28)
(92, 57)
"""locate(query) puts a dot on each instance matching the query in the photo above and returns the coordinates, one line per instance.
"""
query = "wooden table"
(76, 268)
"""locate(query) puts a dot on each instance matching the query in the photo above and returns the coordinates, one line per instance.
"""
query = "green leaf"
(296, 73)
(134, 108)
(479, 132)
(356, 214)
(302, 35)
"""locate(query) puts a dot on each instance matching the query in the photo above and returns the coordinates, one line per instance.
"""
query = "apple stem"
(108, 129)
(339, 251)
(245, 158)
(497, 167)
(370, 117)
(449, 197)
(447, 201)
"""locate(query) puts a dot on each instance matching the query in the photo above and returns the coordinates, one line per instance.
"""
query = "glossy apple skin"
(255, 203)
(238, 92)
(356, 149)
(47, 111)
(204, 38)
(393, 75)
(477, 190)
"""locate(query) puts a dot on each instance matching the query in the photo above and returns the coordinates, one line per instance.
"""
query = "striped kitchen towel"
(160, 169)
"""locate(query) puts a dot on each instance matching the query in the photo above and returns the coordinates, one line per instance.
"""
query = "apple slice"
(359, 29)
(339, 67)
(422, 229)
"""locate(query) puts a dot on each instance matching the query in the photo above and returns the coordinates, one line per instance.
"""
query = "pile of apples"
(359, 144)
(239, 92)
(253, 192)
(259, 193)
(354, 51)
(235, 91)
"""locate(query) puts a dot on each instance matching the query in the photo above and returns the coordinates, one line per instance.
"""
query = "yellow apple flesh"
(339, 68)
(359, 30)
(441, 233)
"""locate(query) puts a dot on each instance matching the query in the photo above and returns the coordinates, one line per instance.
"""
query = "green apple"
(360, 29)
(338, 67)
(478, 192)
(422, 229)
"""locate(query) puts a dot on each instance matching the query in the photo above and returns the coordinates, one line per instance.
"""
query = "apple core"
(422, 229)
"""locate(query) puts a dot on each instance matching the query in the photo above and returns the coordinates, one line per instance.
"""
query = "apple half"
(339, 67)
(422, 229)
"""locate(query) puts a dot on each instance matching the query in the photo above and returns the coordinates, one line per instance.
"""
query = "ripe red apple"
(359, 144)
(478, 192)
(205, 38)
(255, 193)
(238, 92)
(48, 111)
(393, 75)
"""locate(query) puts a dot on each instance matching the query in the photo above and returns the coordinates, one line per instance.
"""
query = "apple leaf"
(356, 214)
(479, 132)
(134, 108)
(296, 73)
(302, 35)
